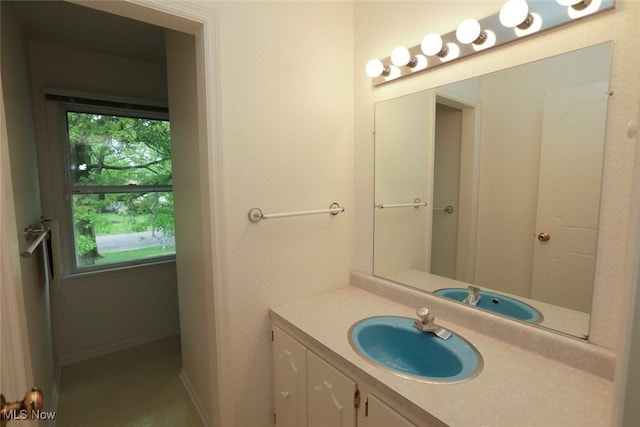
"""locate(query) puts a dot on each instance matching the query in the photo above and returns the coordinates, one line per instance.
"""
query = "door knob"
(21, 409)
(544, 237)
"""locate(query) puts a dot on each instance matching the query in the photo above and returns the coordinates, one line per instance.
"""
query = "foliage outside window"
(120, 188)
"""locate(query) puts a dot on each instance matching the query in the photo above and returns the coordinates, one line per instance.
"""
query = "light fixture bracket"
(444, 51)
(528, 21)
(553, 15)
(581, 5)
(482, 37)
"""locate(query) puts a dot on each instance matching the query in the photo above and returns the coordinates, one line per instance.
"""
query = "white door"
(569, 196)
(15, 361)
(330, 395)
(381, 415)
(290, 380)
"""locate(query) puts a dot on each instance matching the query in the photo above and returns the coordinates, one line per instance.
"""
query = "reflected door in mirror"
(569, 195)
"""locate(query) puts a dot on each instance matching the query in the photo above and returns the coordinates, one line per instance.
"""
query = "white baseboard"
(68, 359)
(194, 398)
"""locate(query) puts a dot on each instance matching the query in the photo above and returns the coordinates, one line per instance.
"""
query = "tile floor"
(135, 387)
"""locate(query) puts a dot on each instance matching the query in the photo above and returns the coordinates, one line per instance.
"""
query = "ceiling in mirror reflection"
(502, 161)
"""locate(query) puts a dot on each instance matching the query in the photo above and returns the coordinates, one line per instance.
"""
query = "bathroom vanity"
(311, 391)
(531, 377)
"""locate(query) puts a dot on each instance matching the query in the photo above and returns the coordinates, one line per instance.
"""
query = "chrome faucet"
(473, 297)
(425, 323)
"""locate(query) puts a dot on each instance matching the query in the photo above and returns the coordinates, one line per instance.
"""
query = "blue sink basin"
(496, 303)
(393, 343)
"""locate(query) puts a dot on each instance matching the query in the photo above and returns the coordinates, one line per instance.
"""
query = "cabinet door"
(330, 395)
(290, 380)
(380, 415)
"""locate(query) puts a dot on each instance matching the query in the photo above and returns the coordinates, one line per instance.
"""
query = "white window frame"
(63, 186)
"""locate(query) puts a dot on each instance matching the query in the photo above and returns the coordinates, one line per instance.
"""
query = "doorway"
(456, 173)
(196, 369)
(446, 190)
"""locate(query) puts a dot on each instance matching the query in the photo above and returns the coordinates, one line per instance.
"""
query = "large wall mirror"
(495, 182)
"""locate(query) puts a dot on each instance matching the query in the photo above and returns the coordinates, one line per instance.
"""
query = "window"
(119, 186)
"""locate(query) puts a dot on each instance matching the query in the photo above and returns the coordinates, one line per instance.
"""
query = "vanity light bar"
(484, 34)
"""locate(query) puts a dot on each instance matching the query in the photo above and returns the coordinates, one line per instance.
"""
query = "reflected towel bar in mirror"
(415, 204)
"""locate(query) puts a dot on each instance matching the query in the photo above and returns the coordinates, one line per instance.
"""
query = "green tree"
(122, 153)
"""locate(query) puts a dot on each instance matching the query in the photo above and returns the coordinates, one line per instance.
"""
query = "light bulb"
(432, 45)
(515, 13)
(375, 68)
(401, 56)
(421, 63)
(469, 31)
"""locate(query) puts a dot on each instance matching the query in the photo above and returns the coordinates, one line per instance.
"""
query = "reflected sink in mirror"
(394, 344)
(496, 303)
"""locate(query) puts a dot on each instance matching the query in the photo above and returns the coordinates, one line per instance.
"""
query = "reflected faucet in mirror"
(473, 295)
(514, 173)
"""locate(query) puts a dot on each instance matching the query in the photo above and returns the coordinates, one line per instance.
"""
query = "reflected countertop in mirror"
(509, 165)
(568, 321)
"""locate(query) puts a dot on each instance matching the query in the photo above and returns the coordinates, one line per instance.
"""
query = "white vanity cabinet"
(379, 414)
(289, 380)
(310, 392)
(332, 397)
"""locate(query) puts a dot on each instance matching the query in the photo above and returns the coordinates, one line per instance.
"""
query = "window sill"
(122, 269)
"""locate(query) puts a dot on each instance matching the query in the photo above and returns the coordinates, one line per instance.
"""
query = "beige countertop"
(515, 388)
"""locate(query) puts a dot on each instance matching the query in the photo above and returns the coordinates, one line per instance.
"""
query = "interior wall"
(112, 311)
(403, 157)
(380, 26)
(189, 219)
(626, 411)
(287, 133)
(101, 312)
(26, 191)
